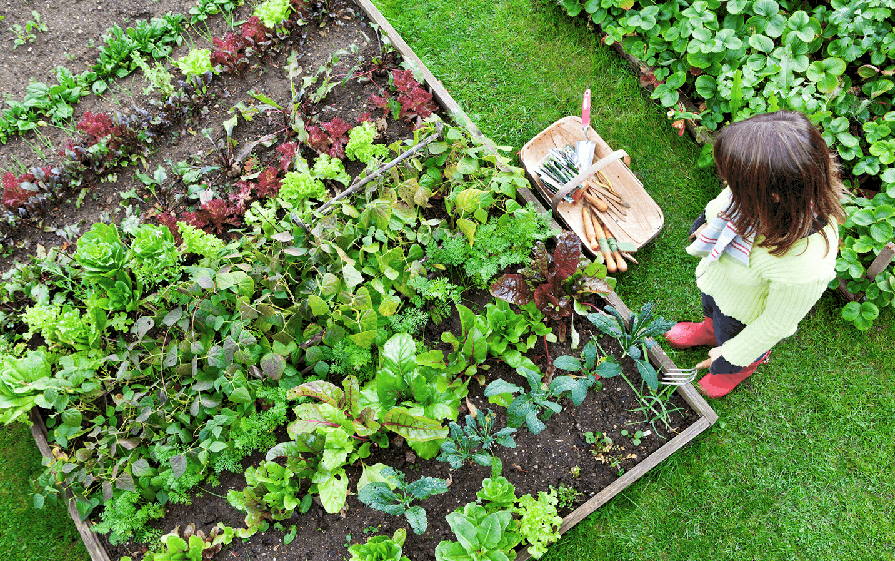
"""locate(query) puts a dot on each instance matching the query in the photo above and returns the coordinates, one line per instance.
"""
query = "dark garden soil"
(73, 32)
(559, 456)
(314, 45)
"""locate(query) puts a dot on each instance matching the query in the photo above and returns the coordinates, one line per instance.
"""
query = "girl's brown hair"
(784, 181)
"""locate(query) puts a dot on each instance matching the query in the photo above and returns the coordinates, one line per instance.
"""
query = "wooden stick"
(630, 257)
(384, 168)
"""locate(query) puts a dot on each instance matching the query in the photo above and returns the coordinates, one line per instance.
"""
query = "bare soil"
(104, 200)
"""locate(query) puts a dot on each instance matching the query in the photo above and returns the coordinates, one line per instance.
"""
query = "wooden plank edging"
(94, 546)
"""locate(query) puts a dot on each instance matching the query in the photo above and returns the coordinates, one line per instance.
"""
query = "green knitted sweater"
(772, 294)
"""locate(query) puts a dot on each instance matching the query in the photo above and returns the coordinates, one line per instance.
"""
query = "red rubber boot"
(687, 334)
(719, 385)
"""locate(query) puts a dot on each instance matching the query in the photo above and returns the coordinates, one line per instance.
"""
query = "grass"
(801, 464)
(27, 534)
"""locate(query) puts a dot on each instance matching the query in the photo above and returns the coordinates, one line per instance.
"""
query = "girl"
(768, 244)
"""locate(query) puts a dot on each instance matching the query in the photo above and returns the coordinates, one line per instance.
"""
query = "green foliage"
(205, 8)
(178, 549)
(536, 404)
(127, 516)
(380, 548)
(59, 324)
(21, 381)
(538, 523)
(298, 187)
(252, 433)
(273, 13)
(480, 535)
(869, 226)
(195, 63)
(27, 33)
(198, 241)
(634, 337)
(475, 440)
(157, 76)
(360, 145)
(154, 256)
(396, 497)
(438, 295)
(271, 485)
(498, 243)
(500, 333)
(497, 493)
(327, 167)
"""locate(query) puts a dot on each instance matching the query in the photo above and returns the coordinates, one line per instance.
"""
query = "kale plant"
(396, 497)
(634, 337)
(538, 403)
(475, 440)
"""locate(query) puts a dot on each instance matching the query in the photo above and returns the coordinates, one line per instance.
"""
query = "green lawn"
(801, 464)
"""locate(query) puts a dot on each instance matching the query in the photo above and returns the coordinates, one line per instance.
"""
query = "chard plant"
(395, 496)
(553, 280)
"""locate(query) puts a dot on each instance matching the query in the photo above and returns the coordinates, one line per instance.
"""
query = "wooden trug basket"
(644, 219)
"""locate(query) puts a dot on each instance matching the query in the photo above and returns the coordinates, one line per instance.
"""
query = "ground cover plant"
(123, 51)
(834, 62)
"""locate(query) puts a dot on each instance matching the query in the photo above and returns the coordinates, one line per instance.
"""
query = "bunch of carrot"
(598, 197)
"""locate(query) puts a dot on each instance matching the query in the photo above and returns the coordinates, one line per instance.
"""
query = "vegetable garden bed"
(589, 451)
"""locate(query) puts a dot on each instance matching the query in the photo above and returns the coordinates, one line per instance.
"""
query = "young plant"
(553, 280)
(195, 63)
(273, 13)
(566, 496)
(475, 440)
(536, 404)
(272, 485)
(28, 32)
(396, 497)
(360, 145)
(380, 548)
(635, 341)
(539, 523)
(635, 338)
(481, 536)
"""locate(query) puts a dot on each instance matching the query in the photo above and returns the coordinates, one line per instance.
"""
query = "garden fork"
(679, 376)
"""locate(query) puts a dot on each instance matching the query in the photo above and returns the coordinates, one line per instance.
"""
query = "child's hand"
(714, 353)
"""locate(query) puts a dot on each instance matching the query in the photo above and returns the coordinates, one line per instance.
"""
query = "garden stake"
(384, 168)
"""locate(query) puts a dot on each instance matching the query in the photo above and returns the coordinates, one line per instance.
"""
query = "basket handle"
(582, 177)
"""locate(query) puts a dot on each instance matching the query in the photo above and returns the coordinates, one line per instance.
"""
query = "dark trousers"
(726, 328)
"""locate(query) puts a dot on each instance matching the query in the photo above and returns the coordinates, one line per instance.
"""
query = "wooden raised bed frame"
(706, 415)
